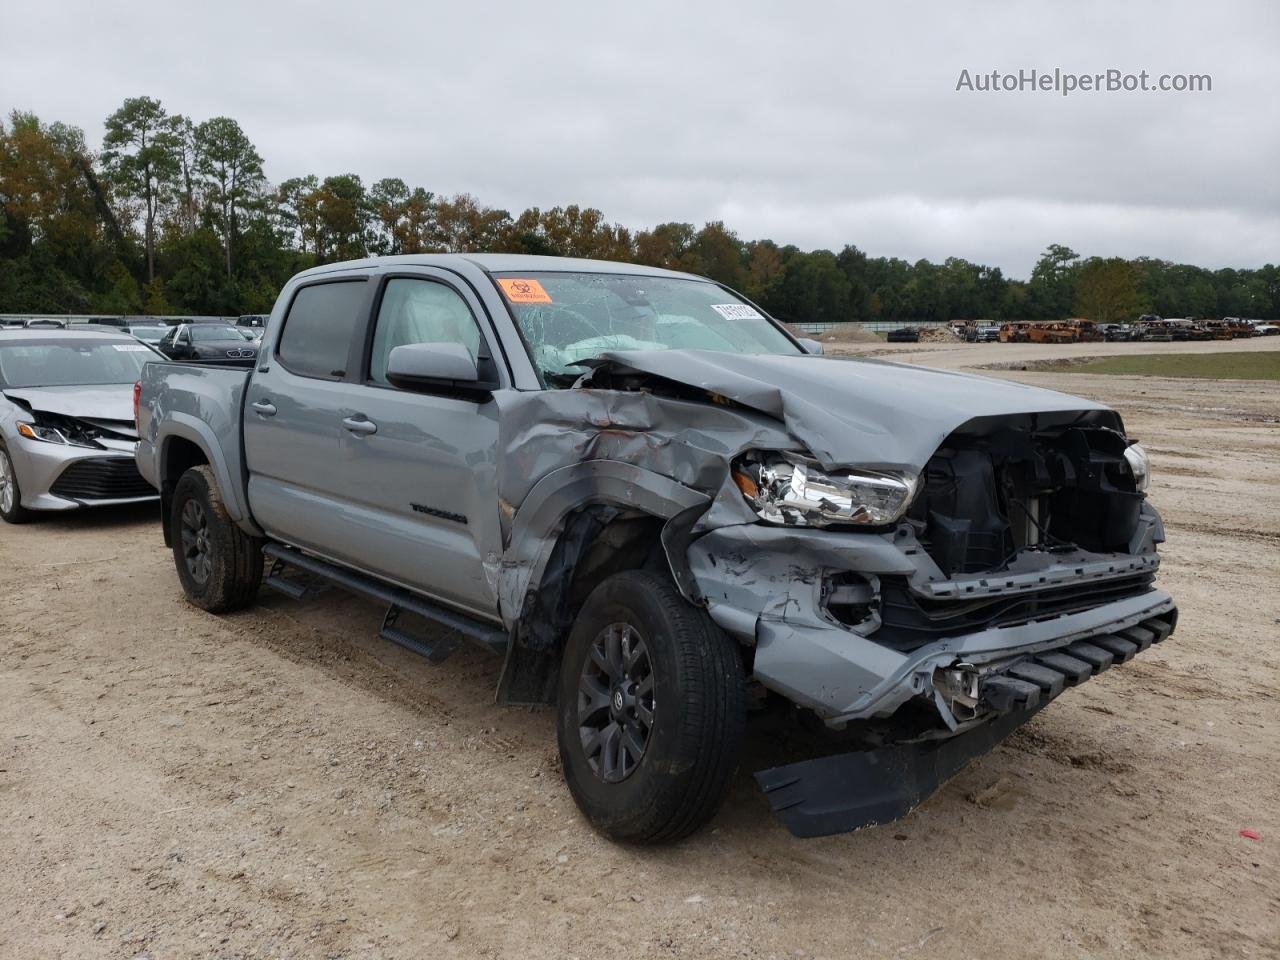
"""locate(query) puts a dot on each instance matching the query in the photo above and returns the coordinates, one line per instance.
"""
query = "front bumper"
(835, 794)
(765, 586)
(55, 476)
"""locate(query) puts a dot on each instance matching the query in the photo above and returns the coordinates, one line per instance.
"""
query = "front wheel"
(11, 508)
(650, 711)
(220, 565)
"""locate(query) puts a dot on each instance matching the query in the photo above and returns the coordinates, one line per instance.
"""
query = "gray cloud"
(816, 124)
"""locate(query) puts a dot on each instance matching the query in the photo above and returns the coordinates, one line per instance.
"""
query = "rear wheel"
(650, 710)
(220, 566)
(11, 508)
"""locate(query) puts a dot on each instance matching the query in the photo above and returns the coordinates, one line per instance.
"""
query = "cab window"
(419, 311)
(316, 339)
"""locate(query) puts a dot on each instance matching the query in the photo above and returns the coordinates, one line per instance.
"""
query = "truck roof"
(503, 263)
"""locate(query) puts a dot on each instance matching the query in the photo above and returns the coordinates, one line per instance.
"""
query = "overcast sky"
(812, 123)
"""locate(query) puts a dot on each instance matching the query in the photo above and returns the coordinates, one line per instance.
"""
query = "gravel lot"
(281, 783)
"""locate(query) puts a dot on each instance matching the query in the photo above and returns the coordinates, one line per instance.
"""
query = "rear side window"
(317, 332)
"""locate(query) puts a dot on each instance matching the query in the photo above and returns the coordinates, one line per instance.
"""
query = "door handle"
(361, 425)
(264, 407)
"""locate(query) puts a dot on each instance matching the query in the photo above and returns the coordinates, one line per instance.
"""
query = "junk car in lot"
(208, 343)
(67, 430)
(659, 506)
(903, 335)
(1019, 331)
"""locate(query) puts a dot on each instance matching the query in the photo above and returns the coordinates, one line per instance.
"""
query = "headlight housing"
(789, 489)
(1139, 464)
(35, 431)
(51, 434)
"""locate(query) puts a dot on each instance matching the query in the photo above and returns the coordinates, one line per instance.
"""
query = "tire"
(220, 566)
(11, 492)
(695, 703)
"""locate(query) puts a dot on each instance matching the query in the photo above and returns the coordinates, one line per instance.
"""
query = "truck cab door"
(293, 412)
(419, 468)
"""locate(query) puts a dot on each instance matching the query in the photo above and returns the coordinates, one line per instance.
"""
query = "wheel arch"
(577, 526)
(187, 442)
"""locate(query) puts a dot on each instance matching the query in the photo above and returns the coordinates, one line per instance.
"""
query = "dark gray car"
(662, 509)
(208, 343)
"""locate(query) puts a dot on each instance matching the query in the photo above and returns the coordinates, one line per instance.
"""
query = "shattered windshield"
(568, 317)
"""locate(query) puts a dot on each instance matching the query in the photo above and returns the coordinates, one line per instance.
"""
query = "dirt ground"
(280, 783)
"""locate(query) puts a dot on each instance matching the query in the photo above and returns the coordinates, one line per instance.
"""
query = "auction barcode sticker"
(131, 348)
(519, 290)
(737, 311)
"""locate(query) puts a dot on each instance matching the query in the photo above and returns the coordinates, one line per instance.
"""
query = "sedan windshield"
(149, 334)
(208, 332)
(568, 317)
(72, 363)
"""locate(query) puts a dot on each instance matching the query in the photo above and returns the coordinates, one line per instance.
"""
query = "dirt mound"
(938, 335)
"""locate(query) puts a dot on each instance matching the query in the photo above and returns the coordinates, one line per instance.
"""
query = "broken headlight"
(789, 489)
(1139, 463)
(52, 434)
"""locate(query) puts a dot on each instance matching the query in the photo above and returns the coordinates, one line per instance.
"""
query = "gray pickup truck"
(665, 511)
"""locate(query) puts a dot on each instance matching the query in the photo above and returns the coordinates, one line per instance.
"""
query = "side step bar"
(398, 601)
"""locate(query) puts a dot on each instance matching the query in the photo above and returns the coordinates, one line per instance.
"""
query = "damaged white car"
(663, 510)
(66, 420)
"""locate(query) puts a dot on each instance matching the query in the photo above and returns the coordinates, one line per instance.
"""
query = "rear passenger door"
(293, 415)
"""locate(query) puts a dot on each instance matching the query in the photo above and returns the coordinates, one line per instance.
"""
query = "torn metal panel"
(563, 449)
(868, 413)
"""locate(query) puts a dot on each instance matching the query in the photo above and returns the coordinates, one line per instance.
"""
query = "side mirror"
(435, 367)
(811, 346)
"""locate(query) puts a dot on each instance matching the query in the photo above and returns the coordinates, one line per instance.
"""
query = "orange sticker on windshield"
(524, 291)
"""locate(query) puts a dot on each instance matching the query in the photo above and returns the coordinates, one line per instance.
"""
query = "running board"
(398, 601)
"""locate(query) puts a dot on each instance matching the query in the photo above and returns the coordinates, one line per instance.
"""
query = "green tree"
(231, 171)
(765, 271)
(1052, 285)
(187, 199)
(720, 254)
(295, 211)
(140, 154)
(342, 213)
(56, 227)
(1107, 291)
(462, 223)
(813, 288)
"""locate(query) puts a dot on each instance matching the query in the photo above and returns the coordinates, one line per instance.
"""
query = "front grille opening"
(102, 478)
(910, 621)
(992, 493)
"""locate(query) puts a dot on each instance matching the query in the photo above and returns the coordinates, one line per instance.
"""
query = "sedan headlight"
(788, 489)
(38, 431)
(1139, 463)
(34, 431)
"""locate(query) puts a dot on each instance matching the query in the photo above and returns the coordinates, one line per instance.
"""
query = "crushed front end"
(1021, 563)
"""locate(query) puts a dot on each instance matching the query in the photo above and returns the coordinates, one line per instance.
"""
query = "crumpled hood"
(97, 404)
(866, 412)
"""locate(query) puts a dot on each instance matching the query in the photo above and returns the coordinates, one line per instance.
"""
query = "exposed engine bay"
(997, 488)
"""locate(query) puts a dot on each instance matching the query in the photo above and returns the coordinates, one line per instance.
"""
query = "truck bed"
(204, 404)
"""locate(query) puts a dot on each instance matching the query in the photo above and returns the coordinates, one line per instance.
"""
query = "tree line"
(177, 216)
